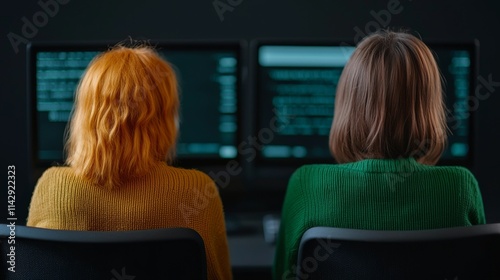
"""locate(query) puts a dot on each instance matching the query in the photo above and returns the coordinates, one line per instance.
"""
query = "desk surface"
(250, 251)
(247, 245)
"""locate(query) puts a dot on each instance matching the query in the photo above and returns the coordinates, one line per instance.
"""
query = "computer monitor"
(209, 84)
(295, 95)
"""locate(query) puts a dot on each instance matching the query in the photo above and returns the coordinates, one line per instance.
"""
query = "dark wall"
(80, 20)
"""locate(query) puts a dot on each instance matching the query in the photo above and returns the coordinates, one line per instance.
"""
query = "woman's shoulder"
(56, 173)
(373, 167)
(55, 179)
(184, 173)
(181, 170)
(315, 173)
(318, 168)
(454, 173)
(455, 170)
(451, 168)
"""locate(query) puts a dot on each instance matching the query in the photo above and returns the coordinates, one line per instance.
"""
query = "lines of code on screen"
(297, 85)
(57, 75)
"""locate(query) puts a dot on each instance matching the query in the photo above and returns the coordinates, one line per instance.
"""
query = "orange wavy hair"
(389, 102)
(125, 116)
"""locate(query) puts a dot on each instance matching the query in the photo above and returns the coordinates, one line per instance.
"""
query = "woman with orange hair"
(122, 135)
(389, 129)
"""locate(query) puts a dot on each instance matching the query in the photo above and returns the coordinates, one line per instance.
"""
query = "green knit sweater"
(377, 194)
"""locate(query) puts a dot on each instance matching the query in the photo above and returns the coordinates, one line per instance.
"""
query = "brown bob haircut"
(389, 102)
(125, 117)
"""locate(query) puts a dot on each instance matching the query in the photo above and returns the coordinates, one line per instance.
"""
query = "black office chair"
(444, 254)
(171, 253)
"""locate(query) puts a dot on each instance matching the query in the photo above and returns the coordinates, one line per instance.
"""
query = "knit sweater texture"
(375, 194)
(166, 197)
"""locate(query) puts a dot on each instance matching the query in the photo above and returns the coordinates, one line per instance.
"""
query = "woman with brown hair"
(389, 129)
(121, 136)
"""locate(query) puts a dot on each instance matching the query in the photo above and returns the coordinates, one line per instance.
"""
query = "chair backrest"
(36, 253)
(445, 254)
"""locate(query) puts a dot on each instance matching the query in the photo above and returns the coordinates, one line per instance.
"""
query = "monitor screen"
(458, 66)
(296, 83)
(209, 82)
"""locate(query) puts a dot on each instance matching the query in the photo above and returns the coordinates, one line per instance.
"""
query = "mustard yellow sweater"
(166, 197)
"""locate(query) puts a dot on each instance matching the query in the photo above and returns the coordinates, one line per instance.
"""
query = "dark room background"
(92, 20)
